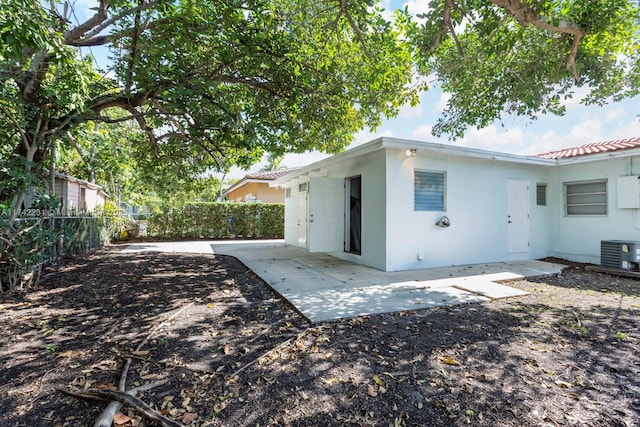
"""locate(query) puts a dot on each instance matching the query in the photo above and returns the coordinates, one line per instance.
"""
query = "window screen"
(541, 194)
(429, 189)
(586, 198)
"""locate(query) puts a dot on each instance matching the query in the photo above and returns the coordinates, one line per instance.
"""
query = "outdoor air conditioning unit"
(620, 254)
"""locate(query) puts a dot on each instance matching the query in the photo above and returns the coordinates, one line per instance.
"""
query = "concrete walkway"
(323, 288)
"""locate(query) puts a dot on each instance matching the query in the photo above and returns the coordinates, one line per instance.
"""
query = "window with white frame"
(429, 191)
(585, 198)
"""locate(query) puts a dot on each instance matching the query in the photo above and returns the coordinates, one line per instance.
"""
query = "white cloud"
(442, 102)
(515, 140)
(549, 141)
(588, 131)
(423, 133)
(491, 138)
(615, 113)
(417, 7)
(409, 112)
(303, 159)
(388, 9)
(629, 130)
(366, 135)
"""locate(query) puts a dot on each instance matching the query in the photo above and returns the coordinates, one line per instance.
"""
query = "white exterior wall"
(577, 238)
(396, 237)
(371, 168)
(476, 204)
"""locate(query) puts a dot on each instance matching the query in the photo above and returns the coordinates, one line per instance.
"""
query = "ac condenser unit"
(620, 254)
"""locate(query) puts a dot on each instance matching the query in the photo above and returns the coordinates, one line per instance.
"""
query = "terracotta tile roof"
(270, 175)
(599, 147)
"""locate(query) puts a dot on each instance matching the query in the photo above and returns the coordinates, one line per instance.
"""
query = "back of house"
(398, 204)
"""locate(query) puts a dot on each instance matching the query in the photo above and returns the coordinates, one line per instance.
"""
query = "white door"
(302, 219)
(326, 215)
(517, 216)
(291, 224)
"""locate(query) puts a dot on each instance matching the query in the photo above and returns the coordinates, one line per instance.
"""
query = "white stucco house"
(397, 204)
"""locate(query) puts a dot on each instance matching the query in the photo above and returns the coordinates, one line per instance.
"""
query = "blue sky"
(580, 125)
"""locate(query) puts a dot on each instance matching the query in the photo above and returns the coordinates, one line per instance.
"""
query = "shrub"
(218, 221)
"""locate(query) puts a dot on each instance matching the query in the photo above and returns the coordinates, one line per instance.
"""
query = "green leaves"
(525, 58)
(210, 84)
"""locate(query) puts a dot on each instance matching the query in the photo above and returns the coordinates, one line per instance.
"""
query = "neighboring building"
(255, 188)
(396, 204)
(76, 194)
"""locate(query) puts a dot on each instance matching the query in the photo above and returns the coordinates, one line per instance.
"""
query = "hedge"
(218, 221)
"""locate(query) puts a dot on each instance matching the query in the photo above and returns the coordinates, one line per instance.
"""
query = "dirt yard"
(209, 344)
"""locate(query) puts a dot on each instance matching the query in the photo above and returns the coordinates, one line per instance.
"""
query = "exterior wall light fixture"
(411, 152)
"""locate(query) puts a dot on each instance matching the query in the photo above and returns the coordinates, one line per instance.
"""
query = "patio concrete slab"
(323, 287)
(491, 289)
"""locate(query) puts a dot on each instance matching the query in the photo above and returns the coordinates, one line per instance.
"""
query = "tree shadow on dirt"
(237, 354)
(578, 276)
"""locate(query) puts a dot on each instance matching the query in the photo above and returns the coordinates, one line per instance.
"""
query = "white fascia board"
(244, 181)
(404, 144)
(319, 168)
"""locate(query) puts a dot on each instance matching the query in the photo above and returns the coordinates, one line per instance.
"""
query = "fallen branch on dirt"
(266, 330)
(108, 414)
(124, 397)
(137, 403)
(577, 319)
(105, 419)
(282, 344)
(169, 364)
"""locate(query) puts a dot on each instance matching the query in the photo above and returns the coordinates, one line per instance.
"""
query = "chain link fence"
(29, 241)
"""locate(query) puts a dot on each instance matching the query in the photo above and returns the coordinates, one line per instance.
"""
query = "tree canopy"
(211, 83)
(525, 57)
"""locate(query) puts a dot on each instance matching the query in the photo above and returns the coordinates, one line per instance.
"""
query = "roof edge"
(367, 147)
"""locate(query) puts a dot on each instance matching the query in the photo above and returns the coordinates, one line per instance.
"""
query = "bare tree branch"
(23, 135)
(571, 62)
(526, 15)
(81, 151)
(136, 100)
(142, 123)
(109, 120)
(344, 10)
(247, 82)
(86, 34)
(37, 71)
(93, 22)
(447, 21)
